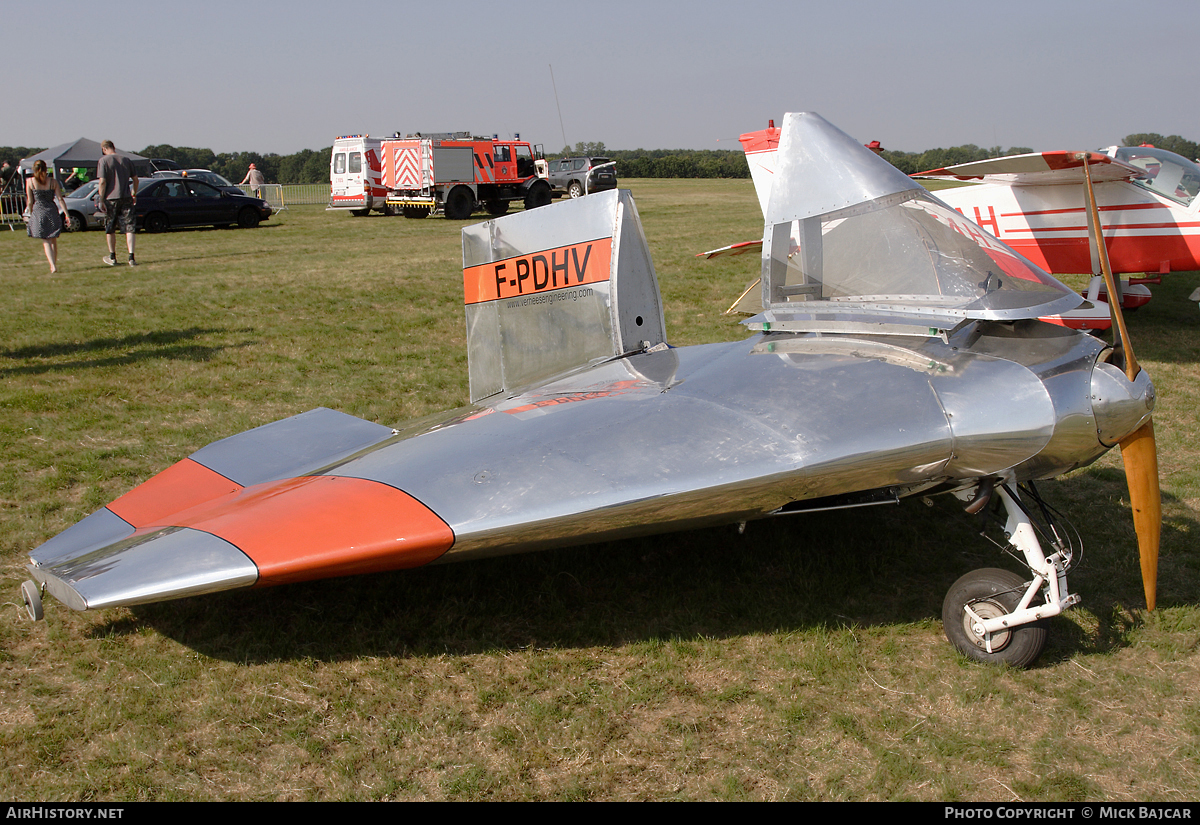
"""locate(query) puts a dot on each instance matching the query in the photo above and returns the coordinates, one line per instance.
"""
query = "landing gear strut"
(989, 615)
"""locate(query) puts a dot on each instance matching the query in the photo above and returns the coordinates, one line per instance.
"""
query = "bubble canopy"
(848, 232)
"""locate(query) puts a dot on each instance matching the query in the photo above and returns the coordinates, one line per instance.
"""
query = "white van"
(355, 176)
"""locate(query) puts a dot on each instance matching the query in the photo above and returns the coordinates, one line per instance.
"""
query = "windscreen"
(1164, 173)
(85, 191)
(906, 249)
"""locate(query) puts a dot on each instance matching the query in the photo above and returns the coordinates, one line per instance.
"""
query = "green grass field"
(802, 660)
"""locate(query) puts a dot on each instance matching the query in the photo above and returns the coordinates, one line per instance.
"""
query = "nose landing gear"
(989, 615)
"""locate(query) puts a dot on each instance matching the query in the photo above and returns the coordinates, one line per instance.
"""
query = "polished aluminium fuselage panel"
(729, 432)
(654, 442)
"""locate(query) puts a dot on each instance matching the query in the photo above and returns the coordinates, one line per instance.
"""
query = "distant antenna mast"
(560, 120)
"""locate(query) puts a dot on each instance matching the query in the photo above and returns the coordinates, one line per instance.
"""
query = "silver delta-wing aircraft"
(898, 354)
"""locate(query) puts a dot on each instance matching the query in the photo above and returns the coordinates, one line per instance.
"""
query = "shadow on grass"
(150, 259)
(137, 347)
(876, 567)
(231, 228)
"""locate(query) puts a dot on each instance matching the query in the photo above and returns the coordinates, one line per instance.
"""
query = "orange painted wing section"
(316, 527)
(295, 529)
(179, 487)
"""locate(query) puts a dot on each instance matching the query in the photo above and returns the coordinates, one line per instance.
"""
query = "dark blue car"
(163, 203)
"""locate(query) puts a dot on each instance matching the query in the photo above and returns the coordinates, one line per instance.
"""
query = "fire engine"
(354, 176)
(457, 173)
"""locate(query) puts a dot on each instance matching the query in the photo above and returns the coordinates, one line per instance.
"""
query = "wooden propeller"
(1138, 450)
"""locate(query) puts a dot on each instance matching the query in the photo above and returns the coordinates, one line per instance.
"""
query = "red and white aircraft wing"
(1037, 169)
(733, 249)
(1147, 197)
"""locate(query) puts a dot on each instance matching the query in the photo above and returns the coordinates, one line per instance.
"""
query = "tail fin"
(761, 149)
(555, 289)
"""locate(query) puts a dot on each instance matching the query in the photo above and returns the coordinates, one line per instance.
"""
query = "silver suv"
(578, 176)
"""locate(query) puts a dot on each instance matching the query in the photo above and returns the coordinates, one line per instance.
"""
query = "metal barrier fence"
(280, 195)
(12, 202)
(12, 205)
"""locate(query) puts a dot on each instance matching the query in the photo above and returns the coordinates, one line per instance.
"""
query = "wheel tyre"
(575, 190)
(990, 593)
(415, 212)
(75, 222)
(496, 207)
(31, 595)
(157, 222)
(388, 211)
(460, 204)
(248, 218)
(538, 195)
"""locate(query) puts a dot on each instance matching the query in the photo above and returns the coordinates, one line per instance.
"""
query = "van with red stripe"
(355, 176)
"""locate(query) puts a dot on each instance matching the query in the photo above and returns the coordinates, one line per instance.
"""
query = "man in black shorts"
(116, 194)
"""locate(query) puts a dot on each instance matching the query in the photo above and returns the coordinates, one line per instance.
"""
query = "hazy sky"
(284, 76)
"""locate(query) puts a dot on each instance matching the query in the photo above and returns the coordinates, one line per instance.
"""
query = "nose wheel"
(990, 594)
(31, 595)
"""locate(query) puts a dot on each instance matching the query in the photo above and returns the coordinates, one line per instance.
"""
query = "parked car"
(578, 176)
(163, 203)
(81, 208)
(205, 175)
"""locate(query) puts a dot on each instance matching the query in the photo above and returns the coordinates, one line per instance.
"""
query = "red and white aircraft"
(1147, 198)
(1150, 212)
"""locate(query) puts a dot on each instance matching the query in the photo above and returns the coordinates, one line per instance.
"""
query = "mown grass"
(801, 660)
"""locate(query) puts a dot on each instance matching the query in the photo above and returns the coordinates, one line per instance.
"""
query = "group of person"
(116, 197)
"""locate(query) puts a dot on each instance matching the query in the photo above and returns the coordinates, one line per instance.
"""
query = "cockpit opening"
(1164, 173)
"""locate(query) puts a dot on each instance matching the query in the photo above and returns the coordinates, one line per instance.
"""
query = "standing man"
(255, 179)
(116, 193)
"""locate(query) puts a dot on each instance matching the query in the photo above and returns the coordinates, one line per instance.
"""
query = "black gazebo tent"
(78, 153)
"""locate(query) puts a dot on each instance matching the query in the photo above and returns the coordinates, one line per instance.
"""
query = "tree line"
(305, 166)
(664, 163)
(704, 163)
(700, 163)
(911, 162)
(312, 166)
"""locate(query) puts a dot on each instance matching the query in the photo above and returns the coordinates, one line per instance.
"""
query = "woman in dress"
(46, 218)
